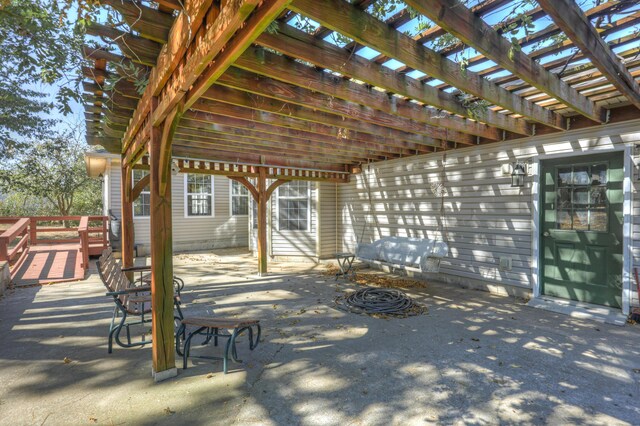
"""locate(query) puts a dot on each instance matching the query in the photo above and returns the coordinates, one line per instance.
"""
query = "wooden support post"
(262, 221)
(33, 231)
(127, 220)
(261, 195)
(162, 327)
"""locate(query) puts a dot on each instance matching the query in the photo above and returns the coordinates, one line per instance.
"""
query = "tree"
(40, 51)
(53, 170)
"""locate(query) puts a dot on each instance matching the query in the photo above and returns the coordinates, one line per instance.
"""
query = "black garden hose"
(379, 301)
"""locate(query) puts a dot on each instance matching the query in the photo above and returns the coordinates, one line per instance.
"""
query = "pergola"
(236, 88)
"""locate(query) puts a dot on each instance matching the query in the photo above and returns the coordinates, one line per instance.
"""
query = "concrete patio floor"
(475, 358)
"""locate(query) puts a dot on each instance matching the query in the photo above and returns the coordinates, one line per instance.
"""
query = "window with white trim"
(239, 199)
(142, 204)
(198, 195)
(293, 206)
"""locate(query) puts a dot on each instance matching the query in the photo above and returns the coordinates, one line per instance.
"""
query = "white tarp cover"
(403, 251)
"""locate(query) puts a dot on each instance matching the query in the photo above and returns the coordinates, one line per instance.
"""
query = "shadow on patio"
(474, 358)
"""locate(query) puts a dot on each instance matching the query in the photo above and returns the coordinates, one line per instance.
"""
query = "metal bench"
(132, 302)
(215, 328)
(404, 253)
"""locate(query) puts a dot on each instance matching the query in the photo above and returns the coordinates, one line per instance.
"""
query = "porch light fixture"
(175, 169)
(518, 173)
(96, 165)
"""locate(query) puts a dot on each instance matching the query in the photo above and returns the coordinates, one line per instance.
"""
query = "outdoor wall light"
(518, 173)
(175, 169)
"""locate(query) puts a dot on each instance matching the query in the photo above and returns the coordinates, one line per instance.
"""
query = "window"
(293, 206)
(142, 204)
(198, 195)
(581, 202)
(239, 199)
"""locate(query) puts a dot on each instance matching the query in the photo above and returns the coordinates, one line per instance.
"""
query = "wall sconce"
(175, 169)
(101, 178)
(518, 173)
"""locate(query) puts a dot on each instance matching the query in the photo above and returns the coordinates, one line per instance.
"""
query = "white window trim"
(249, 198)
(133, 209)
(185, 195)
(308, 210)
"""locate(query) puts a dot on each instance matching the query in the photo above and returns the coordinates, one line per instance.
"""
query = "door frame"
(626, 151)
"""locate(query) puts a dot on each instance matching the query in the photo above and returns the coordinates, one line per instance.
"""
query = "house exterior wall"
(293, 245)
(479, 215)
(327, 220)
(189, 233)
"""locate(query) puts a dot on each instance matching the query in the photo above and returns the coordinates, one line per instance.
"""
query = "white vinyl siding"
(327, 219)
(480, 215)
(219, 231)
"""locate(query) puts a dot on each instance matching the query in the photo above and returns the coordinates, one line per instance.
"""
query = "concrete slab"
(581, 310)
(474, 358)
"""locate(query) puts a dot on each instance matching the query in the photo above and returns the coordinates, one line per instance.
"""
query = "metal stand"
(345, 262)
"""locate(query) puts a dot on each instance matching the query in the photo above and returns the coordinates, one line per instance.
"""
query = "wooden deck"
(50, 263)
(35, 260)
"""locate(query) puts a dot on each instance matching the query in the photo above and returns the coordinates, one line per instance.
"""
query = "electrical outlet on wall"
(505, 264)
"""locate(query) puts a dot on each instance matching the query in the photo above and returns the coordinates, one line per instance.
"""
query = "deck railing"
(14, 242)
(91, 235)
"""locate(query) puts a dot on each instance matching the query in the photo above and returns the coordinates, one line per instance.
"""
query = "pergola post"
(262, 221)
(127, 219)
(163, 352)
(261, 194)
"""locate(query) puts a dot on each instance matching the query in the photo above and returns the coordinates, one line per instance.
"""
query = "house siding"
(480, 216)
(190, 233)
(327, 219)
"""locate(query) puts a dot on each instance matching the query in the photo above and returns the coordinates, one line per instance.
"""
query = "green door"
(581, 228)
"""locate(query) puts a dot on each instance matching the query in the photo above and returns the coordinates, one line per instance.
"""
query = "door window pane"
(564, 176)
(581, 175)
(581, 197)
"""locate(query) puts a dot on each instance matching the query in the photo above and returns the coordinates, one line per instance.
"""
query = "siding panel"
(477, 212)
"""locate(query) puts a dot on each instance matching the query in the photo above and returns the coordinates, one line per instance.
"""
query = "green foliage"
(476, 108)
(50, 175)
(38, 47)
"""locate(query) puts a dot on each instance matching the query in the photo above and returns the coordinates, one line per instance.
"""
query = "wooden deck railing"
(14, 242)
(91, 235)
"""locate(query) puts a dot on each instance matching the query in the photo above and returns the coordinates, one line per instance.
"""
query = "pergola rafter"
(461, 22)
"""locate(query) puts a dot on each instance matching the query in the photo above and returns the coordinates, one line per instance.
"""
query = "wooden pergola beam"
(245, 81)
(570, 18)
(473, 30)
(339, 133)
(150, 23)
(138, 49)
(280, 143)
(279, 68)
(242, 157)
(277, 141)
(553, 29)
(298, 44)
(480, 9)
(198, 120)
(252, 146)
(121, 87)
(244, 99)
(225, 39)
(123, 67)
(364, 28)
